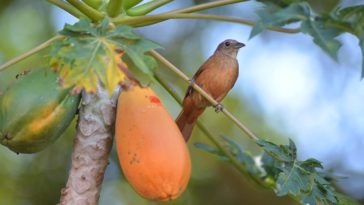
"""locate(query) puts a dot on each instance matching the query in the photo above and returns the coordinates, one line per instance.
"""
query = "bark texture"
(91, 148)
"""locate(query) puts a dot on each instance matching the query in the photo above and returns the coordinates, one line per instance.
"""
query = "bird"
(217, 75)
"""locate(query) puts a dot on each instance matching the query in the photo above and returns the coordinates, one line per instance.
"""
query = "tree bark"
(91, 148)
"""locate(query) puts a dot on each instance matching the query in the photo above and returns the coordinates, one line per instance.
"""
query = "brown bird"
(216, 76)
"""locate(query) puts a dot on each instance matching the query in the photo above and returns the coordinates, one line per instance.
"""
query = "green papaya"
(35, 111)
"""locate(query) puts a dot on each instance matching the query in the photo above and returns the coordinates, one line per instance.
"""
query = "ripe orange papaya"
(152, 152)
(34, 111)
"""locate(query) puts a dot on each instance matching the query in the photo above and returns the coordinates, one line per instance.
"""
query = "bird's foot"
(219, 107)
(192, 81)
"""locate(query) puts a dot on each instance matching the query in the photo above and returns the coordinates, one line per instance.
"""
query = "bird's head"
(230, 47)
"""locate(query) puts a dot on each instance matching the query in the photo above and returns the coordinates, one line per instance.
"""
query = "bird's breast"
(219, 78)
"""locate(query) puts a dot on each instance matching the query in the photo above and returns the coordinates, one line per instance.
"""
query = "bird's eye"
(227, 43)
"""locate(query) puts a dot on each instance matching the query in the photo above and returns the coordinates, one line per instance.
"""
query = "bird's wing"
(190, 89)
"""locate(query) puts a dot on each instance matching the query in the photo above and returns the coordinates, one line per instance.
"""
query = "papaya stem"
(29, 53)
(138, 21)
(67, 7)
(114, 7)
(206, 6)
(147, 7)
(87, 10)
(172, 67)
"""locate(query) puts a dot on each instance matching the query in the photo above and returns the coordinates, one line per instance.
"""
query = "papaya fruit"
(35, 111)
(152, 152)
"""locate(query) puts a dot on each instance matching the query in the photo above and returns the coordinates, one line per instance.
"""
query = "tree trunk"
(91, 148)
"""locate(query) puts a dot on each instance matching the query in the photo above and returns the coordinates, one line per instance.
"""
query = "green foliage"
(323, 27)
(280, 170)
(244, 157)
(91, 53)
(298, 178)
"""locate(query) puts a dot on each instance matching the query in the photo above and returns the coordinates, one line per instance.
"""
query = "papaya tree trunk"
(95, 131)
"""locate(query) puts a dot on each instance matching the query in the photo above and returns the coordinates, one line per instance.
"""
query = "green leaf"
(90, 53)
(311, 164)
(270, 165)
(280, 152)
(290, 180)
(243, 157)
(323, 35)
(212, 150)
(351, 14)
(295, 177)
(293, 13)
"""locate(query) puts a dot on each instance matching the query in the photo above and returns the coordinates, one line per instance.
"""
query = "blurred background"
(288, 87)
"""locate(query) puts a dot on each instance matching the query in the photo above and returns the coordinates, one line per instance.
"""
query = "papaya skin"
(152, 152)
(35, 111)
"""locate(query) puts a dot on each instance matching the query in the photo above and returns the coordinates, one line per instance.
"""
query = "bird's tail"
(186, 120)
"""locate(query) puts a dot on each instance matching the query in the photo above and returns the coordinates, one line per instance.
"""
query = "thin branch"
(169, 65)
(67, 7)
(90, 12)
(145, 20)
(29, 53)
(211, 136)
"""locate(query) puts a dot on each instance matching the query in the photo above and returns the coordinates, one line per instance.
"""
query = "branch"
(29, 53)
(146, 20)
(91, 148)
(90, 12)
(204, 94)
(67, 7)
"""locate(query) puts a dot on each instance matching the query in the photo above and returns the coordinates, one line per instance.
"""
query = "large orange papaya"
(152, 152)
(34, 111)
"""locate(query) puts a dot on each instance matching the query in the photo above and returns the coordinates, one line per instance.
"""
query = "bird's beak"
(239, 45)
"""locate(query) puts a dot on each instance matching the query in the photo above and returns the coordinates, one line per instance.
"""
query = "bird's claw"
(219, 107)
(192, 81)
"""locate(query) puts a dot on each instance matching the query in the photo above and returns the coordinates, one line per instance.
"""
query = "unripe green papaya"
(35, 111)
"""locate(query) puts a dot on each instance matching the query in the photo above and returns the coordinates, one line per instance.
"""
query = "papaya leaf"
(273, 17)
(353, 14)
(323, 35)
(94, 53)
(212, 150)
(243, 157)
(282, 153)
(280, 170)
(295, 177)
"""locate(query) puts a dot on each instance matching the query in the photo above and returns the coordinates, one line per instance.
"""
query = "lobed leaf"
(295, 177)
(323, 35)
(93, 53)
(243, 157)
(268, 18)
